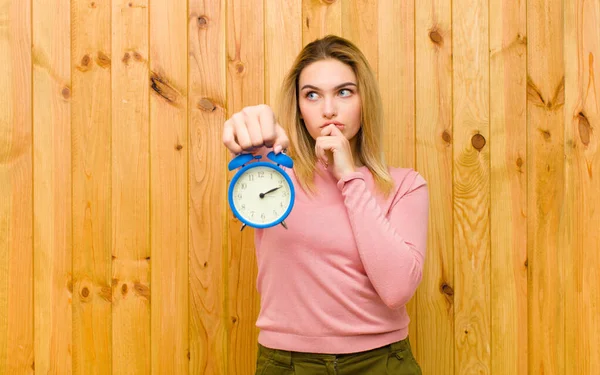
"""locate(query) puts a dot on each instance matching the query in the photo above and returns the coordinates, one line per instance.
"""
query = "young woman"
(334, 285)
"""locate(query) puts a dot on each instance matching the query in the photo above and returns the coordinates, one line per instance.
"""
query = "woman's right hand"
(254, 127)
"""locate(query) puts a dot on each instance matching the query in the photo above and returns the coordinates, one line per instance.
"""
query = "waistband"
(287, 357)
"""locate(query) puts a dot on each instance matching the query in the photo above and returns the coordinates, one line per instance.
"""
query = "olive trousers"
(393, 359)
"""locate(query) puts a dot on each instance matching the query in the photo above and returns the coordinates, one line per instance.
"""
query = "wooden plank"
(283, 42)
(362, 21)
(169, 186)
(130, 188)
(471, 186)
(245, 86)
(52, 181)
(91, 171)
(508, 100)
(16, 175)
(208, 176)
(395, 35)
(433, 105)
(545, 193)
(320, 18)
(581, 216)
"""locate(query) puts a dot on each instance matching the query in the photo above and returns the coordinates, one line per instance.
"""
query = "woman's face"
(328, 94)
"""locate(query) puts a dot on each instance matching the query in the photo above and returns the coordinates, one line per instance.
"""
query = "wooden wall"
(118, 254)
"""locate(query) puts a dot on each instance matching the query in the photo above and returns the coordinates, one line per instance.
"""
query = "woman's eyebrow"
(335, 88)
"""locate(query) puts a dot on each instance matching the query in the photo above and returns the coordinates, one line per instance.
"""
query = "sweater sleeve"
(391, 245)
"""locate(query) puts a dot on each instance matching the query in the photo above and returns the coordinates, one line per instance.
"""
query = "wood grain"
(471, 187)
(16, 175)
(208, 176)
(361, 21)
(581, 211)
(434, 160)
(545, 191)
(52, 187)
(395, 61)
(130, 188)
(245, 86)
(508, 102)
(320, 18)
(169, 226)
(91, 166)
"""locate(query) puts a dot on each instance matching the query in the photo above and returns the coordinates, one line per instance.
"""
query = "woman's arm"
(392, 245)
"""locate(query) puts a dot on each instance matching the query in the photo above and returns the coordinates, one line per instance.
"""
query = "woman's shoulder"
(406, 180)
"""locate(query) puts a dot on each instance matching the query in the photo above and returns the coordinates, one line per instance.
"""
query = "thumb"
(281, 140)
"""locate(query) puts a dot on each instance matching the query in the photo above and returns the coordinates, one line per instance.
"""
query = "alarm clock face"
(261, 196)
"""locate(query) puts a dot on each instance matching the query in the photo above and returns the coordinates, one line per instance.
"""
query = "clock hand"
(262, 195)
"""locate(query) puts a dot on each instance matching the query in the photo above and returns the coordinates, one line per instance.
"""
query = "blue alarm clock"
(261, 194)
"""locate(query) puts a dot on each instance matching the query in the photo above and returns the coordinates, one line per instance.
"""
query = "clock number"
(243, 186)
(243, 207)
(239, 195)
(281, 204)
(251, 213)
(261, 174)
(251, 177)
(275, 213)
(263, 216)
(285, 194)
(280, 183)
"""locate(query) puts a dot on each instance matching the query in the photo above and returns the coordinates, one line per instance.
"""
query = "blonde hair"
(369, 137)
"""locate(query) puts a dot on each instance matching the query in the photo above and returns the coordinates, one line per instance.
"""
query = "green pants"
(393, 359)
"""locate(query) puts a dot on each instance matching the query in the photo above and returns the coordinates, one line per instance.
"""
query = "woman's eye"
(345, 92)
(312, 95)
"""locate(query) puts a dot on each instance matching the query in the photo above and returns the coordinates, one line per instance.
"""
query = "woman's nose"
(329, 109)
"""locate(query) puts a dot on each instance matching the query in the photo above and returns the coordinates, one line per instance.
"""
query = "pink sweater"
(338, 280)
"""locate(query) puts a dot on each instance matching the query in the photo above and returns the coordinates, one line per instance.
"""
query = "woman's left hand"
(334, 151)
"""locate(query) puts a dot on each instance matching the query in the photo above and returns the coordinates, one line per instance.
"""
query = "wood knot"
(124, 289)
(85, 292)
(130, 5)
(85, 62)
(142, 290)
(66, 92)
(163, 88)
(240, 68)
(138, 56)
(519, 162)
(584, 129)
(478, 141)
(206, 105)
(106, 293)
(447, 289)
(546, 134)
(446, 136)
(436, 37)
(178, 147)
(126, 57)
(328, 2)
(205, 264)
(93, 4)
(102, 60)
(202, 22)
(233, 319)
(526, 263)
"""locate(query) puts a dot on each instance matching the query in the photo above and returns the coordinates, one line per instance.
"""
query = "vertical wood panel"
(91, 145)
(396, 66)
(52, 186)
(582, 212)
(433, 96)
(471, 186)
(207, 85)
(545, 134)
(320, 18)
(360, 21)
(169, 186)
(395, 34)
(16, 174)
(245, 86)
(130, 188)
(508, 79)
(283, 42)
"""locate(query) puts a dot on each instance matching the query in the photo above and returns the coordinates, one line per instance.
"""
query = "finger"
(331, 130)
(282, 141)
(253, 127)
(321, 145)
(267, 125)
(229, 139)
(241, 132)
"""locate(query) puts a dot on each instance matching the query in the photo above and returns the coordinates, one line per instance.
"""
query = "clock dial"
(262, 195)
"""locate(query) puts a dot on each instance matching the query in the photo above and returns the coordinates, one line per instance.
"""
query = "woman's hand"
(252, 128)
(332, 148)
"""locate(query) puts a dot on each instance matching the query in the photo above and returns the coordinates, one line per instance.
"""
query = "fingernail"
(277, 149)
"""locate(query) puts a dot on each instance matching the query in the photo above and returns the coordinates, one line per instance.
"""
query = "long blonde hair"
(369, 137)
